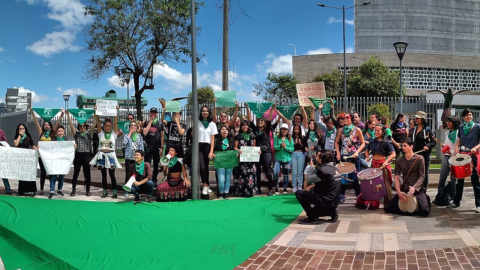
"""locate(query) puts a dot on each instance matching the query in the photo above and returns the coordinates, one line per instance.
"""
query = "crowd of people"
(323, 153)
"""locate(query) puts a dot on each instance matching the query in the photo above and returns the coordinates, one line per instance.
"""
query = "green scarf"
(330, 132)
(61, 139)
(172, 161)
(312, 135)
(134, 136)
(466, 127)
(23, 137)
(347, 130)
(246, 136)
(371, 132)
(108, 135)
(154, 121)
(259, 133)
(452, 135)
(84, 134)
(46, 133)
(205, 122)
(225, 144)
(140, 167)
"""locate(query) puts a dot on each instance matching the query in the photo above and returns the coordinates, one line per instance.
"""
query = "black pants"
(475, 183)
(43, 174)
(155, 154)
(203, 151)
(265, 165)
(307, 198)
(81, 160)
(424, 205)
(427, 168)
(128, 162)
(111, 172)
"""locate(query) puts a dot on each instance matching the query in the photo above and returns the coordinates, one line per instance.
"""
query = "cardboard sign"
(225, 98)
(305, 90)
(18, 163)
(250, 154)
(106, 107)
(57, 157)
(225, 159)
(172, 106)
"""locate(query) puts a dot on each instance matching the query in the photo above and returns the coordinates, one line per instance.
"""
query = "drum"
(348, 171)
(460, 166)
(446, 149)
(372, 184)
(410, 206)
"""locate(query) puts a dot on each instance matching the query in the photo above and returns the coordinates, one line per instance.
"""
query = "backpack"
(444, 195)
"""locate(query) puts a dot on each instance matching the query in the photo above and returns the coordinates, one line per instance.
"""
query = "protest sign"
(287, 110)
(226, 159)
(57, 156)
(315, 90)
(106, 107)
(81, 115)
(172, 106)
(259, 108)
(46, 113)
(250, 154)
(18, 163)
(225, 98)
(5, 144)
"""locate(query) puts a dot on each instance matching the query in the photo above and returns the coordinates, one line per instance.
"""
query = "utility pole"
(225, 46)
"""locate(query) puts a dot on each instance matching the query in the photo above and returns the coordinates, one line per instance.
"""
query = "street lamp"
(345, 105)
(126, 77)
(66, 98)
(294, 49)
(400, 47)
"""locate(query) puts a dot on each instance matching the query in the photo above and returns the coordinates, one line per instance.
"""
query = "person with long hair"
(224, 142)
(175, 188)
(399, 131)
(315, 135)
(369, 133)
(46, 132)
(133, 141)
(283, 144)
(154, 136)
(424, 143)
(60, 136)
(469, 138)
(247, 177)
(106, 157)
(142, 171)
(298, 157)
(207, 130)
(411, 125)
(451, 139)
(23, 139)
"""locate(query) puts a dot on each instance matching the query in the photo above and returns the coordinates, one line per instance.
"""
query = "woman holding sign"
(23, 139)
(106, 157)
(61, 178)
(224, 143)
(247, 178)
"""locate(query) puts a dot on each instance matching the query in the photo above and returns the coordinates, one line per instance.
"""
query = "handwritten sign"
(315, 90)
(18, 163)
(172, 106)
(225, 98)
(250, 154)
(57, 157)
(226, 159)
(106, 107)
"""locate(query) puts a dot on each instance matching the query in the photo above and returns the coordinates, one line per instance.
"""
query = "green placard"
(124, 126)
(46, 113)
(81, 115)
(225, 98)
(226, 159)
(287, 110)
(259, 108)
(172, 106)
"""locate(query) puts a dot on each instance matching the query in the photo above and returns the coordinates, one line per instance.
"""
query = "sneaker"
(205, 191)
(73, 193)
(50, 196)
(270, 193)
(137, 198)
(285, 191)
(276, 191)
(41, 192)
(299, 188)
(126, 195)
(308, 221)
(60, 193)
(226, 196)
(452, 205)
(342, 198)
(478, 210)
(294, 190)
(209, 190)
(150, 200)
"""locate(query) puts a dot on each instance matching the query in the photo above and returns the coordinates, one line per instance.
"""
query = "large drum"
(348, 171)
(461, 166)
(372, 184)
(410, 206)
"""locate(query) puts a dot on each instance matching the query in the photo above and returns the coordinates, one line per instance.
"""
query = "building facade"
(84, 102)
(16, 100)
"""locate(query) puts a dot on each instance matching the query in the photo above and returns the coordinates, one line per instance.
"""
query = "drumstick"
(441, 144)
(418, 151)
(358, 154)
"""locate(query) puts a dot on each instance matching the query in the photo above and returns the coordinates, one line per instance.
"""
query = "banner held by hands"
(81, 115)
(259, 108)
(46, 113)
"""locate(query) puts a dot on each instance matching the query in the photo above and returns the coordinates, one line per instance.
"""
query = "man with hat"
(153, 132)
(423, 141)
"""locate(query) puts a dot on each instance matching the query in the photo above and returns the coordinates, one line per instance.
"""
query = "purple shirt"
(361, 125)
(3, 138)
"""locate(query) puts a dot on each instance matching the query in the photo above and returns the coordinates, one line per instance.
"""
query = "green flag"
(81, 115)
(225, 159)
(124, 126)
(326, 107)
(326, 104)
(259, 108)
(287, 110)
(46, 113)
(172, 106)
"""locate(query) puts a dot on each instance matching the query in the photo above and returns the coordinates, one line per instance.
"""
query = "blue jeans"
(147, 188)
(285, 169)
(8, 190)
(355, 184)
(53, 179)
(224, 181)
(298, 162)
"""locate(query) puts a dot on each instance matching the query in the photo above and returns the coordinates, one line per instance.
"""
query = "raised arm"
(57, 124)
(214, 113)
(163, 112)
(270, 115)
(284, 119)
(249, 114)
(72, 128)
(37, 125)
(97, 121)
(115, 123)
(305, 118)
(235, 115)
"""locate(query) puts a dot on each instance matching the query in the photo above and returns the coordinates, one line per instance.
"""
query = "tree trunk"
(138, 96)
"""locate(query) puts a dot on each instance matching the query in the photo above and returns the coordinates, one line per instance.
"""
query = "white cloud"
(46, 64)
(332, 20)
(2, 100)
(274, 64)
(319, 51)
(2, 49)
(116, 81)
(35, 96)
(72, 91)
(349, 50)
(53, 43)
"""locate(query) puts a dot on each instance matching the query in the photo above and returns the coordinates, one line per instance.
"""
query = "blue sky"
(41, 42)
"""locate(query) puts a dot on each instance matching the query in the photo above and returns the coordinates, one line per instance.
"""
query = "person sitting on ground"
(175, 188)
(412, 167)
(325, 184)
(142, 171)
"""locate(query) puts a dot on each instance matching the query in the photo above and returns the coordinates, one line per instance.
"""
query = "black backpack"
(444, 195)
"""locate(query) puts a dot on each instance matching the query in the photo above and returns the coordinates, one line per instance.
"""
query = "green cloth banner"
(259, 108)
(326, 104)
(172, 106)
(225, 98)
(124, 126)
(81, 115)
(288, 110)
(46, 113)
(226, 159)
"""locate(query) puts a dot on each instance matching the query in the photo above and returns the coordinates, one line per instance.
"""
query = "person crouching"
(325, 183)
(143, 177)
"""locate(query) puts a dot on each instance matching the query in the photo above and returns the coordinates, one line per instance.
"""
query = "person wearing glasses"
(133, 142)
(223, 119)
(83, 149)
(298, 119)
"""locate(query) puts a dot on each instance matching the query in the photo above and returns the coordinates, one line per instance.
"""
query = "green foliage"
(380, 109)
(333, 82)
(204, 96)
(280, 89)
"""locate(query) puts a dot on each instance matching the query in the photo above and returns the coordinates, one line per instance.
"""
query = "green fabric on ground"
(58, 234)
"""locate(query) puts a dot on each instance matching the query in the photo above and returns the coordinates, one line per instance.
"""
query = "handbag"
(173, 183)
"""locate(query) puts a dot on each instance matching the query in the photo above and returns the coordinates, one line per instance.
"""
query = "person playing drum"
(412, 167)
(383, 153)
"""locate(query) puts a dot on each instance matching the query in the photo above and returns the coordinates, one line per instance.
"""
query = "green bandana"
(246, 136)
(452, 135)
(312, 135)
(371, 132)
(259, 133)
(154, 121)
(108, 135)
(134, 136)
(330, 132)
(466, 127)
(172, 161)
(225, 144)
(46, 133)
(84, 134)
(347, 130)
(140, 167)
(23, 137)
(205, 123)
(61, 139)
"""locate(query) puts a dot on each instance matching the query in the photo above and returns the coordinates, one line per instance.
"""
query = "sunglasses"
(223, 116)
(347, 117)
(133, 125)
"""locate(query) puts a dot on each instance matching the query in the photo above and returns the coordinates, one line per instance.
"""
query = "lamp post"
(400, 47)
(126, 76)
(343, 8)
(294, 49)
(195, 174)
(66, 98)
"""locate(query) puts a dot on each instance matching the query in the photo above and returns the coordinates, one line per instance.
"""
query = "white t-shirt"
(204, 134)
(450, 143)
(105, 144)
(309, 170)
(302, 128)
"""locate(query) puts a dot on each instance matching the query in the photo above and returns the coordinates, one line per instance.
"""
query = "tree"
(135, 35)
(204, 96)
(380, 109)
(333, 82)
(280, 89)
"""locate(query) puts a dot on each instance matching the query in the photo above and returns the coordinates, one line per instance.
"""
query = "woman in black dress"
(23, 139)
(247, 178)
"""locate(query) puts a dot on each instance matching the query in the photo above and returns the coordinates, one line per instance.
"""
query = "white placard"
(250, 154)
(106, 107)
(4, 143)
(18, 163)
(57, 157)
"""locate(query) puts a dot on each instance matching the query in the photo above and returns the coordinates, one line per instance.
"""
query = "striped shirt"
(132, 146)
(84, 144)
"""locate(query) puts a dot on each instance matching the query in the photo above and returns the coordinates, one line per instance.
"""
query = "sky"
(42, 40)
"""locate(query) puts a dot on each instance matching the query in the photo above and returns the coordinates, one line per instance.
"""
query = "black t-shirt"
(27, 143)
(383, 147)
(153, 139)
(174, 136)
(263, 139)
(189, 137)
(398, 133)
